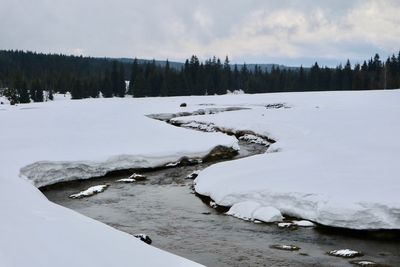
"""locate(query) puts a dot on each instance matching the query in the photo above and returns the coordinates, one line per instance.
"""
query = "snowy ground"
(64, 140)
(334, 162)
(335, 159)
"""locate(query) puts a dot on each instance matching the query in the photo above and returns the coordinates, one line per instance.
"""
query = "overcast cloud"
(255, 31)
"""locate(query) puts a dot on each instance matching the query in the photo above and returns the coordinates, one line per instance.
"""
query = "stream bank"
(164, 207)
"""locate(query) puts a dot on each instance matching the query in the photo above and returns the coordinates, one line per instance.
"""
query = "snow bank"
(65, 140)
(335, 161)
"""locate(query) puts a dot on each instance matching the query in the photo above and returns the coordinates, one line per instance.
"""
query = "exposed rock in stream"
(345, 253)
(90, 191)
(366, 263)
(285, 247)
(145, 238)
(126, 180)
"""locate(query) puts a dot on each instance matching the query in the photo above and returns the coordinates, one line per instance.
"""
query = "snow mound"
(90, 191)
(253, 211)
(267, 214)
(243, 210)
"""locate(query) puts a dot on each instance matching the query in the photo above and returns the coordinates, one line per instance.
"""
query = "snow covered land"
(44, 143)
(334, 162)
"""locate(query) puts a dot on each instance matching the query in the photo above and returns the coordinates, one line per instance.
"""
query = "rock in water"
(193, 175)
(145, 238)
(126, 180)
(345, 253)
(365, 263)
(90, 191)
(137, 177)
(285, 247)
(285, 225)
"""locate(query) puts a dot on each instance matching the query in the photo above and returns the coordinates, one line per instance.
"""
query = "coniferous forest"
(28, 76)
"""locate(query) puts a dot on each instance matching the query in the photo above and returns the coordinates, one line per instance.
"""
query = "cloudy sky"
(253, 31)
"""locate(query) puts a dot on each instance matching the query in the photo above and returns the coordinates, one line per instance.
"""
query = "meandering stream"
(165, 207)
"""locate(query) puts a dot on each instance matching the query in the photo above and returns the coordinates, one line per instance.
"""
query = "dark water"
(165, 208)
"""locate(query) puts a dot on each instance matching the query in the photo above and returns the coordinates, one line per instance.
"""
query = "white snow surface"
(335, 159)
(267, 214)
(62, 140)
(252, 211)
(243, 210)
(336, 164)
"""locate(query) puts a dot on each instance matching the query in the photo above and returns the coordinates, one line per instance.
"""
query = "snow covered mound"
(90, 191)
(336, 160)
(267, 214)
(250, 211)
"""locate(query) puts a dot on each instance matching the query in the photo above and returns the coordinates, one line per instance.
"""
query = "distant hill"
(161, 63)
(179, 65)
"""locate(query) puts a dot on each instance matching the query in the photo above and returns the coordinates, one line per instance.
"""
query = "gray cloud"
(288, 32)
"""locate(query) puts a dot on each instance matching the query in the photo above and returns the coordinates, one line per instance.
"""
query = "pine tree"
(347, 78)
(106, 86)
(77, 90)
(121, 85)
(115, 78)
(134, 71)
(11, 95)
(166, 81)
(51, 96)
(23, 94)
(39, 95)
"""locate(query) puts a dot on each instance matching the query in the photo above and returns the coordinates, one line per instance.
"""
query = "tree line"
(27, 76)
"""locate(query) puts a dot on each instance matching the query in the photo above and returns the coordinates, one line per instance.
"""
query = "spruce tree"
(121, 85)
(106, 86)
(51, 96)
(114, 78)
(134, 72)
(23, 94)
